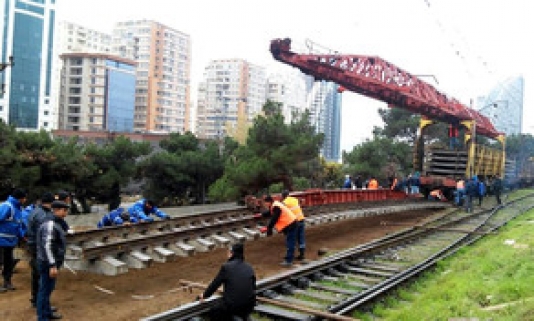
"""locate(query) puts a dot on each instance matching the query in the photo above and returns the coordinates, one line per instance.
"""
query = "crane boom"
(377, 78)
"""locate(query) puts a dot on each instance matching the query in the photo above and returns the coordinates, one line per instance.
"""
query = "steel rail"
(337, 260)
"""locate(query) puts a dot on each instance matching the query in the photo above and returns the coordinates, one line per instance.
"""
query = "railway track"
(115, 250)
(337, 285)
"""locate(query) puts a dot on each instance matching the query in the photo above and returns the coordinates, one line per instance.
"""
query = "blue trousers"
(291, 233)
(301, 238)
(46, 287)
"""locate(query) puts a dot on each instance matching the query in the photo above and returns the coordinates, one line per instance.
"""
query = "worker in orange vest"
(394, 183)
(283, 221)
(373, 183)
(293, 204)
(437, 195)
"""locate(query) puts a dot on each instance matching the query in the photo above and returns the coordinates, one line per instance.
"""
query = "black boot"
(8, 285)
(301, 255)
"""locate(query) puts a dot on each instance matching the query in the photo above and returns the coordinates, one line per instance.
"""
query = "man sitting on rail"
(116, 217)
(239, 282)
(141, 210)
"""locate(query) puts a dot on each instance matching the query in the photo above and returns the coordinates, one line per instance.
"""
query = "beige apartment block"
(87, 92)
(163, 57)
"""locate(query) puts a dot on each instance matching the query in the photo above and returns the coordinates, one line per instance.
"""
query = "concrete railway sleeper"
(344, 281)
(140, 246)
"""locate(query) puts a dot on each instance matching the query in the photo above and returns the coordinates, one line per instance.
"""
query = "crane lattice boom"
(377, 78)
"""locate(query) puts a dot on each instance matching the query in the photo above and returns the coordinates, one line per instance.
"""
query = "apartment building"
(163, 75)
(97, 93)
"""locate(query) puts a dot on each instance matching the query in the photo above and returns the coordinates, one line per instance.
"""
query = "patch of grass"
(486, 274)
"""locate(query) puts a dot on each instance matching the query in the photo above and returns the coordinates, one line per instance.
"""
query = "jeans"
(291, 233)
(498, 197)
(469, 203)
(7, 261)
(46, 287)
(300, 236)
(35, 276)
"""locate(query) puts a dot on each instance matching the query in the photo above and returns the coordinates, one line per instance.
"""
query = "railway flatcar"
(443, 167)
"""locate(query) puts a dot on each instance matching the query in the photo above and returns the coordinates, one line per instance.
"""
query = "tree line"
(184, 170)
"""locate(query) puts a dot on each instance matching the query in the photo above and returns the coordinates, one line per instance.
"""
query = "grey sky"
(467, 44)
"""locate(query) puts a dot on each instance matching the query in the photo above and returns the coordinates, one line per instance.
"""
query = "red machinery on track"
(377, 78)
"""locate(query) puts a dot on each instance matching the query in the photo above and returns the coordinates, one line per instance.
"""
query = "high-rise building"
(27, 34)
(325, 108)
(504, 105)
(290, 89)
(72, 37)
(163, 57)
(97, 93)
(231, 96)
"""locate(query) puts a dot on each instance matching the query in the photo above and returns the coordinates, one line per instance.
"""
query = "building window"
(45, 124)
(46, 112)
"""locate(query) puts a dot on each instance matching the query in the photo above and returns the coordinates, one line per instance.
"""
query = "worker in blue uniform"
(141, 210)
(12, 229)
(118, 216)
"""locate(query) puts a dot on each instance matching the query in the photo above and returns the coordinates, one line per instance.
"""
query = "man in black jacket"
(38, 216)
(51, 246)
(239, 280)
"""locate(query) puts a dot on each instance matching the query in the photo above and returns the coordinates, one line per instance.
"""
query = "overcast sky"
(468, 45)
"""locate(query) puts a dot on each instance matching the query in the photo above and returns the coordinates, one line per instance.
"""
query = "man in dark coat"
(51, 247)
(41, 214)
(239, 281)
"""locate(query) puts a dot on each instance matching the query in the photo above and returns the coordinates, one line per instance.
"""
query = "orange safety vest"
(394, 184)
(436, 193)
(373, 184)
(293, 204)
(460, 184)
(286, 217)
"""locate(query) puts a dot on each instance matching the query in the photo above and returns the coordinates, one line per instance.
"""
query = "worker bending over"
(293, 204)
(283, 221)
(118, 216)
(142, 209)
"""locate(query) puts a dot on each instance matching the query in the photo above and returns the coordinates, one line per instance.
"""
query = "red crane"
(377, 78)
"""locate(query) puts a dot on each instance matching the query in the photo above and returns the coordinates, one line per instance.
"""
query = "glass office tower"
(27, 35)
(504, 105)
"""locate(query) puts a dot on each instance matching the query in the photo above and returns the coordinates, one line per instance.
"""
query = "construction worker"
(347, 184)
(118, 216)
(373, 183)
(394, 183)
(481, 191)
(239, 282)
(141, 210)
(437, 195)
(51, 247)
(460, 191)
(12, 229)
(453, 136)
(283, 221)
(293, 204)
(471, 191)
(496, 186)
(38, 216)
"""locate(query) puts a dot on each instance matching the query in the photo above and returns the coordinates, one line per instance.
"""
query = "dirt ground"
(78, 299)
